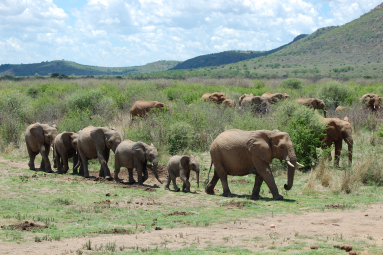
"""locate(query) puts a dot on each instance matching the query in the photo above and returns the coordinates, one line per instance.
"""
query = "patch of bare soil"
(14, 163)
(255, 234)
(335, 206)
(232, 204)
(106, 202)
(120, 231)
(27, 226)
(177, 213)
(241, 181)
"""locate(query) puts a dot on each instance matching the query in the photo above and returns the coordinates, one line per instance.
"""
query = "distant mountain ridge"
(73, 68)
(227, 57)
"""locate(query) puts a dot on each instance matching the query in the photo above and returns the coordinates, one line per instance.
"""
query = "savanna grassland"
(327, 206)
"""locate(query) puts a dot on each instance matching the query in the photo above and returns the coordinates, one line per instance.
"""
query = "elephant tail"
(208, 178)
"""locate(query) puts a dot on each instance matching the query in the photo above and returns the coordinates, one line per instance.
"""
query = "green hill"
(72, 68)
(227, 57)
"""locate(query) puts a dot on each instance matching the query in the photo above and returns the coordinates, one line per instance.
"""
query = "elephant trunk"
(292, 161)
(155, 172)
(197, 172)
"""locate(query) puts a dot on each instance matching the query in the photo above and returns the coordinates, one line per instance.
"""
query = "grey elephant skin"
(131, 155)
(180, 166)
(64, 148)
(39, 139)
(256, 103)
(215, 97)
(274, 98)
(371, 101)
(314, 103)
(338, 130)
(141, 107)
(238, 153)
(96, 142)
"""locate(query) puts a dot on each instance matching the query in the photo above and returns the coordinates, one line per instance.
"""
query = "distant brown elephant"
(275, 98)
(229, 103)
(340, 108)
(141, 107)
(96, 142)
(336, 131)
(315, 103)
(215, 97)
(371, 101)
(39, 139)
(238, 153)
(65, 147)
(256, 103)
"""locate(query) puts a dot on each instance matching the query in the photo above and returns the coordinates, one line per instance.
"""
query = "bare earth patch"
(254, 234)
(27, 226)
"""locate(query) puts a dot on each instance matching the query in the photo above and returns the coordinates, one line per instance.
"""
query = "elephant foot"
(227, 194)
(31, 166)
(256, 197)
(209, 190)
(74, 173)
(132, 181)
(177, 190)
(109, 178)
(117, 180)
(49, 170)
(59, 172)
(86, 176)
(166, 188)
(278, 197)
(186, 190)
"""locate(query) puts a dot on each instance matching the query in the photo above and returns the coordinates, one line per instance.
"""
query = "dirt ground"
(255, 234)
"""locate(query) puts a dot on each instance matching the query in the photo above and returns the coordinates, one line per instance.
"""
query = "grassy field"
(99, 217)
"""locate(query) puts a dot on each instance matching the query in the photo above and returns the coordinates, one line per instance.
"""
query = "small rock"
(115, 195)
(366, 215)
(154, 223)
(352, 253)
(272, 226)
(314, 247)
(107, 194)
(158, 228)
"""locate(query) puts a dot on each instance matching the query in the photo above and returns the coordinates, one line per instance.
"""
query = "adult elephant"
(237, 152)
(256, 103)
(65, 147)
(141, 107)
(275, 97)
(315, 103)
(229, 103)
(39, 139)
(131, 155)
(371, 101)
(215, 97)
(96, 142)
(338, 130)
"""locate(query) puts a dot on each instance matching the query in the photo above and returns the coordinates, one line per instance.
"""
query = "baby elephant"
(180, 166)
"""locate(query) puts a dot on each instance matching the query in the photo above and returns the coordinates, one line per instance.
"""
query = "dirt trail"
(23, 165)
(254, 234)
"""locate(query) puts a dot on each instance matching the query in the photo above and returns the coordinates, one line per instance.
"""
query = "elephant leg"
(173, 177)
(131, 177)
(168, 181)
(75, 160)
(117, 168)
(265, 173)
(65, 163)
(101, 172)
(58, 163)
(257, 187)
(45, 149)
(225, 185)
(186, 184)
(210, 187)
(103, 157)
(338, 149)
(84, 164)
(350, 144)
(32, 156)
(146, 176)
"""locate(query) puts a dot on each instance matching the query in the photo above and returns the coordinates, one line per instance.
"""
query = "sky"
(117, 33)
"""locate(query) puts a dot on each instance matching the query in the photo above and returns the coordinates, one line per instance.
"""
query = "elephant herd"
(234, 152)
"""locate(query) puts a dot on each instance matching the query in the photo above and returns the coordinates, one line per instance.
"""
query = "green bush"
(181, 135)
(85, 99)
(11, 128)
(291, 83)
(335, 94)
(75, 120)
(305, 127)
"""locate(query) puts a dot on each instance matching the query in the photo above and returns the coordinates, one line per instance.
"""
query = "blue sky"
(136, 32)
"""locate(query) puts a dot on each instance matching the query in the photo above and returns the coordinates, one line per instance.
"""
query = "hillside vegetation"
(72, 68)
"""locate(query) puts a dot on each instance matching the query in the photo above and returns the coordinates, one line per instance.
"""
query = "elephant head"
(286, 96)
(268, 145)
(229, 103)
(70, 138)
(372, 101)
(190, 163)
(217, 97)
(105, 138)
(243, 96)
(147, 153)
(319, 104)
(44, 133)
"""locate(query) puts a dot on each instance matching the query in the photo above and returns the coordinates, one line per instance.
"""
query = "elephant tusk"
(289, 163)
(299, 164)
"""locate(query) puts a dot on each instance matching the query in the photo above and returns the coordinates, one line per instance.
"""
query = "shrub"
(305, 127)
(11, 129)
(291, 83)
(85, 99)
(75, 120)
(181, 136)
(335, 94)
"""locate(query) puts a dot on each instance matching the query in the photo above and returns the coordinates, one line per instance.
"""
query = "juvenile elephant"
(275, 98)
(237, 152)
(131, 155)
(141, 107)
(96, 142)
(39, 139)
(340, 108)
(65, 147)
(371, 101)
(180, 166)
(336, 131)
(256, 103)
(215, 97)
(314, 103)
(229, 103)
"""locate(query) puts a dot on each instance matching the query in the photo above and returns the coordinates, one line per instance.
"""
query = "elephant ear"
(139, 150)
(185, 162)
(260, 144)
(67, 138)
(98, 137)
(332, 130)
(240, 99)
(37, 132)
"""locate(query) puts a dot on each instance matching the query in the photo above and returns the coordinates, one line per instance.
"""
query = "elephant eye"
(282, 147)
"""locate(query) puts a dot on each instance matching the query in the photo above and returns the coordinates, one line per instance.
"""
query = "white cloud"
(135, 32)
